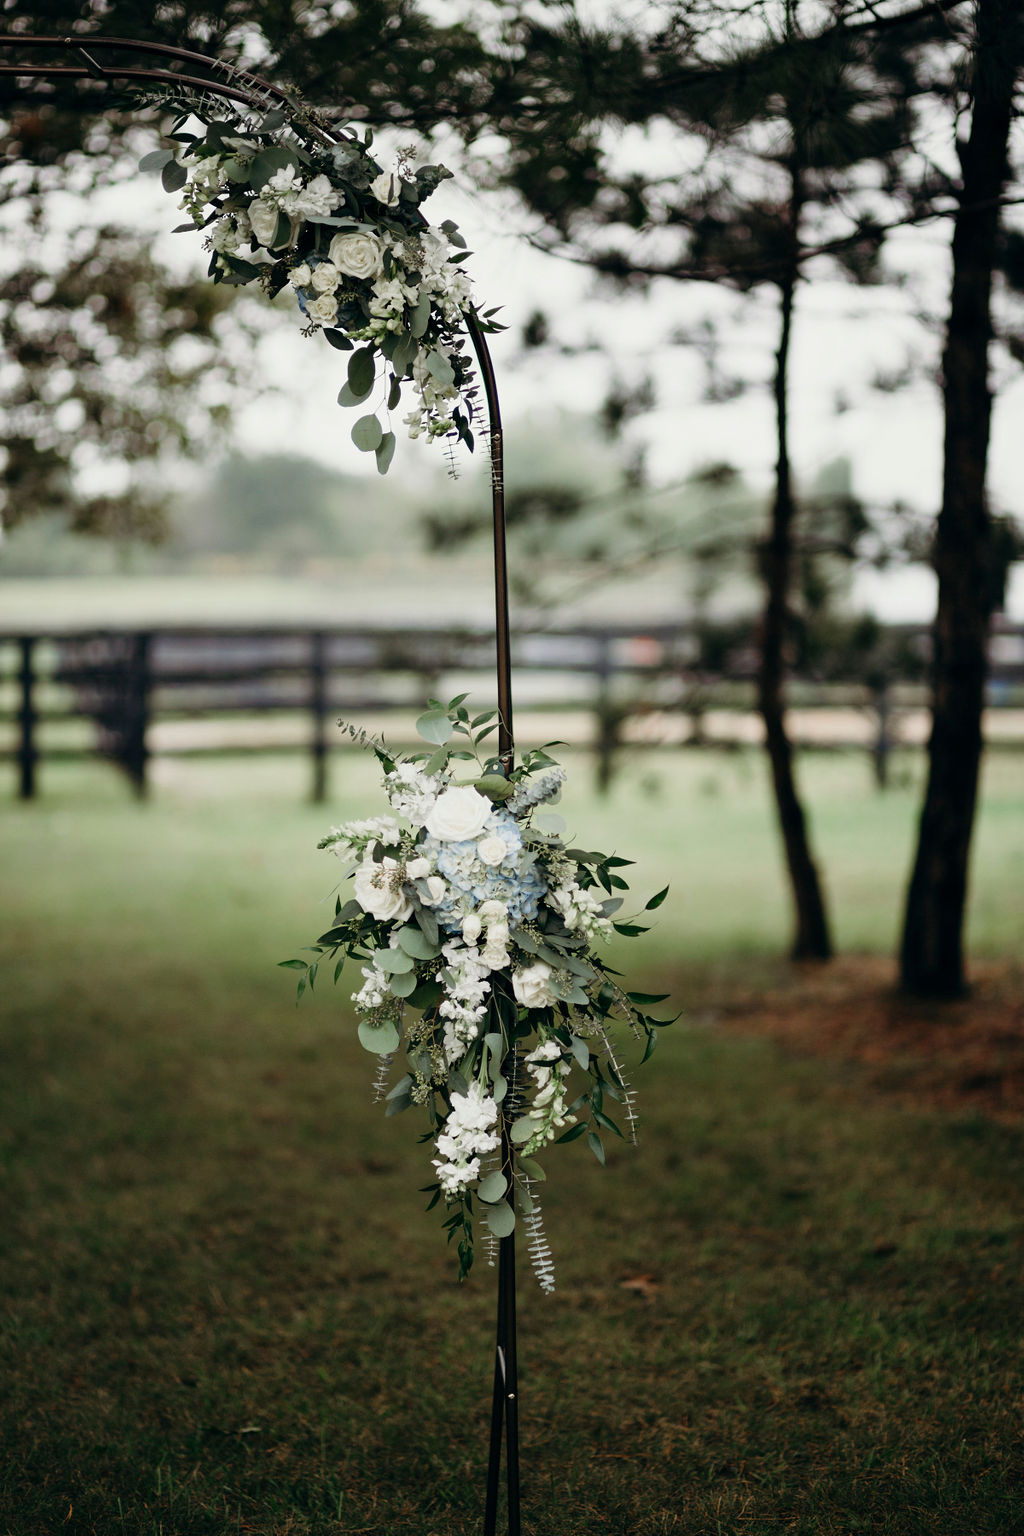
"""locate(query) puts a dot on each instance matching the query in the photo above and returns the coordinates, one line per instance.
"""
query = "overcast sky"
(843, 336)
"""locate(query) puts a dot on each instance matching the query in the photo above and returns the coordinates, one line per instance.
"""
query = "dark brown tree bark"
(932, 957)
(811, 940)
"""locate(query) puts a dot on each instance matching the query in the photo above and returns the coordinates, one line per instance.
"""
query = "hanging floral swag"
(292, 204)
(475, 927)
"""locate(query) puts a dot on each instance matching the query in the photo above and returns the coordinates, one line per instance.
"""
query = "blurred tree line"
(802, 134)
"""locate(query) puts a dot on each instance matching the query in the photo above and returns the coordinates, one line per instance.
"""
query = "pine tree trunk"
(811, 939)
(932, 958)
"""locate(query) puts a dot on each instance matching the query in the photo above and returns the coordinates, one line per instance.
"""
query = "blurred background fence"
(135, 695)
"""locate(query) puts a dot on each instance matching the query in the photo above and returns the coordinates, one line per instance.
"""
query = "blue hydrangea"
(516, 881)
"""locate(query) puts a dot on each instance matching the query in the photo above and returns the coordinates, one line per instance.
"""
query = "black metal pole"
(505, 1397)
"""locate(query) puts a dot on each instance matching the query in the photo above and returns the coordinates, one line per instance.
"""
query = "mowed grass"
(224, 1310)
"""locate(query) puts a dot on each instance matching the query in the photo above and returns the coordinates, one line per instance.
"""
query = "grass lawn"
(224, 1311)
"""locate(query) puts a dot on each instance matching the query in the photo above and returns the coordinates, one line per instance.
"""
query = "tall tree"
(932, 954)
(800, 132)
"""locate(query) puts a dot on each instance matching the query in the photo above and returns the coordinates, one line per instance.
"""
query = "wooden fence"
(136, 691)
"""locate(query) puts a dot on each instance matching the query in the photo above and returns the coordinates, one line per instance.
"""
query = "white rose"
(378, 892)
(326, 277)
(324, 310)
(493, 911)
(472, 928)
(437, 889)
(301, 277)
(263, 218)
(358, 255)
(387, 188)
(491, 850)
(458, 815)
(532, 986)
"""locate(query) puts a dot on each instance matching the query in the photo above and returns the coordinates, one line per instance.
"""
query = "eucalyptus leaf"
(581, 1051)
(156, 159)
(380, 1039)
(501, 1219)
(338, 340)
(394, 393)
(385, 452)
(547, 821)
(532, 1169)
(594, 1143)
(367, 434)
(420, 318)
(523, 1129)
(268, 162)
(494, 786)
(435, 727)
(173, 176)
(347, 397)
(403, 984)
(391, 961)
(493, 1187)
(416, 943)
(361, 372)
(441, 368)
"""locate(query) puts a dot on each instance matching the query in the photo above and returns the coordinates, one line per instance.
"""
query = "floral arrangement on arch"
(292, 206)
(476, 929)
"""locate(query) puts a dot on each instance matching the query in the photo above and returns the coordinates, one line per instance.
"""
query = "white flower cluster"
(468, 1135)
(411, 792)
(580, 911)
(393, 272)
(548, 1111)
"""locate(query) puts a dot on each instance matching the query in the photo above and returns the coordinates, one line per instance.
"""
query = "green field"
(223, 1308)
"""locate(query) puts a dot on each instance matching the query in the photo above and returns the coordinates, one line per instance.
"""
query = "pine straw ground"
(962, 1055)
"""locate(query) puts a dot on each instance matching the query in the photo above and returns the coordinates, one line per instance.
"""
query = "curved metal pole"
(501, 621)
(162, 50)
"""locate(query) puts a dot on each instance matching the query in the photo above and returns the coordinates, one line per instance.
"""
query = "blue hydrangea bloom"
(516, 880)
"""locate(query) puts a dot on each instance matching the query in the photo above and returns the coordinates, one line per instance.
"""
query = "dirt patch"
(964, 1054)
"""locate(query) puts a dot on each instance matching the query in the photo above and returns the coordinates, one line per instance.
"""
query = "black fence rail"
(135, 691)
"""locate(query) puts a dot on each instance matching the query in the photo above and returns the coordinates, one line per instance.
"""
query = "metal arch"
(505, 1398)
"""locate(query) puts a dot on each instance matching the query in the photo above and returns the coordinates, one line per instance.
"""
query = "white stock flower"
(379, 892)
(532, 986)
(458, 815)
(302, 276)
(324, 310)
(491, 850)
(263, 218)
(224, 236)
(472, 928)
(355, 253)
(387, 188)
(326, 277)
(313, 202)
(417, 869)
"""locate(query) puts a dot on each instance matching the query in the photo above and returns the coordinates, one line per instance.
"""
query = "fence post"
(28, 754)
(606, 716)
(136, 749)
(883, 739)
(318, 709)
